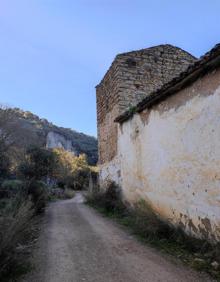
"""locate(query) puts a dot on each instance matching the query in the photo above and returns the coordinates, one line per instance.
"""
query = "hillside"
(42, 132)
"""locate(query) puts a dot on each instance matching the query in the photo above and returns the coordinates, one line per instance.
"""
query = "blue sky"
(54, 52)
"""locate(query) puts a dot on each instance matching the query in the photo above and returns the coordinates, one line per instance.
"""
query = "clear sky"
(54, 52)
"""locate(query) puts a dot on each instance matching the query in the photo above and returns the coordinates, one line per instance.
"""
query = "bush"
(36, 191)
(60, 194)
(39, 195)
(109, 200)
(69, 193)
(40, 163)
(3, 205)
(55, 193)
(141, 216)
(4, 164)
(12, 186)
(71, 171)
(143, 221)
(14, 227)
(147, 223)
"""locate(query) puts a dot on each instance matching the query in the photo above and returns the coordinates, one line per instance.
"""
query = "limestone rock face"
(56, 140)
(34, 130)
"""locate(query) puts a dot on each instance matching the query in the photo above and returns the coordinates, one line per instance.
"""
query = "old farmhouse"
(158, 112)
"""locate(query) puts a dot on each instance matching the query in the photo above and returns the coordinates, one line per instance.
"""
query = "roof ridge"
(154, 47)
(118, 56)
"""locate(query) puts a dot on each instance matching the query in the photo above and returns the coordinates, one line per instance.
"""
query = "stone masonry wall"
(143, 72)
(107, 100)
(131, 77)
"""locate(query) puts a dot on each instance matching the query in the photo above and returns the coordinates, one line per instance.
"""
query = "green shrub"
(39, 164)
(69, 193)
(4, 163)
(36, 190)
(3, 204)
(147, 223)
(109, 200)
(14, 229)
(71, 171)
(143, 221)
(39, 195)
(10, 188)
(13, 185)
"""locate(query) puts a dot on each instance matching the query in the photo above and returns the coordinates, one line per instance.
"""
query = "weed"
(14, 228)
(69, 193)
(150, 228)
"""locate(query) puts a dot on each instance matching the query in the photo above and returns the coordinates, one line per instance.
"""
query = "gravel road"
(77, 244)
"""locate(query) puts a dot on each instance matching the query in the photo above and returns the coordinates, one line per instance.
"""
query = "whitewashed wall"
(172, 159)
(110, 171)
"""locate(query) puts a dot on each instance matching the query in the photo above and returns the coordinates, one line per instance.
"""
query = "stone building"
(131, 77)
(158, 113)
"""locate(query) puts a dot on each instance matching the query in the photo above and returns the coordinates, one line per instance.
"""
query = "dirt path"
(77, 244)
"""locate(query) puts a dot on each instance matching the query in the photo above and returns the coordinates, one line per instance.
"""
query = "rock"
(42, 133)
(215, 265)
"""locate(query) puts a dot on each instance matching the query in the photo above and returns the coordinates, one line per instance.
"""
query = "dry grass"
(14, 230)
(151, 229)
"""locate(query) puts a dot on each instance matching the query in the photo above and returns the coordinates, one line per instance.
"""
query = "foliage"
(35, 167)
(69, 193)
(4, 164)
(12, 185)
(13, 140)
(7, 126)
(6, 122)
(39, 163)
(10, 188)
(144, 222)
(109, 200)
(35, 191)
(14, 229)
(60, 194)
(71, 171)
(36, 129)
(39, 195)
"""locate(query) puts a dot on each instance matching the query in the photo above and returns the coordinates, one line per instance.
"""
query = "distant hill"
(44, 133)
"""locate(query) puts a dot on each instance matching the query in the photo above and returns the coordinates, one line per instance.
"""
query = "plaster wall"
(110, 171)
(170, 156)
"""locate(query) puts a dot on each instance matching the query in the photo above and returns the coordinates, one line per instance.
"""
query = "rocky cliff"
(39, 131)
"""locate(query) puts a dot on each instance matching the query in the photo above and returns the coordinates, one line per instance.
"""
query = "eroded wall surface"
(110, 171)
(170, 156)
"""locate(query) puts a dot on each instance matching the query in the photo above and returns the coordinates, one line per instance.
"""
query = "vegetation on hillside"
(30, 129)
(30, 176)
(71, 171)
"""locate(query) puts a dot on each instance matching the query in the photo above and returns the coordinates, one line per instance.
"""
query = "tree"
(6, 141)
(4, 165)
(14, 139)
(40, 163)
(72, 171)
